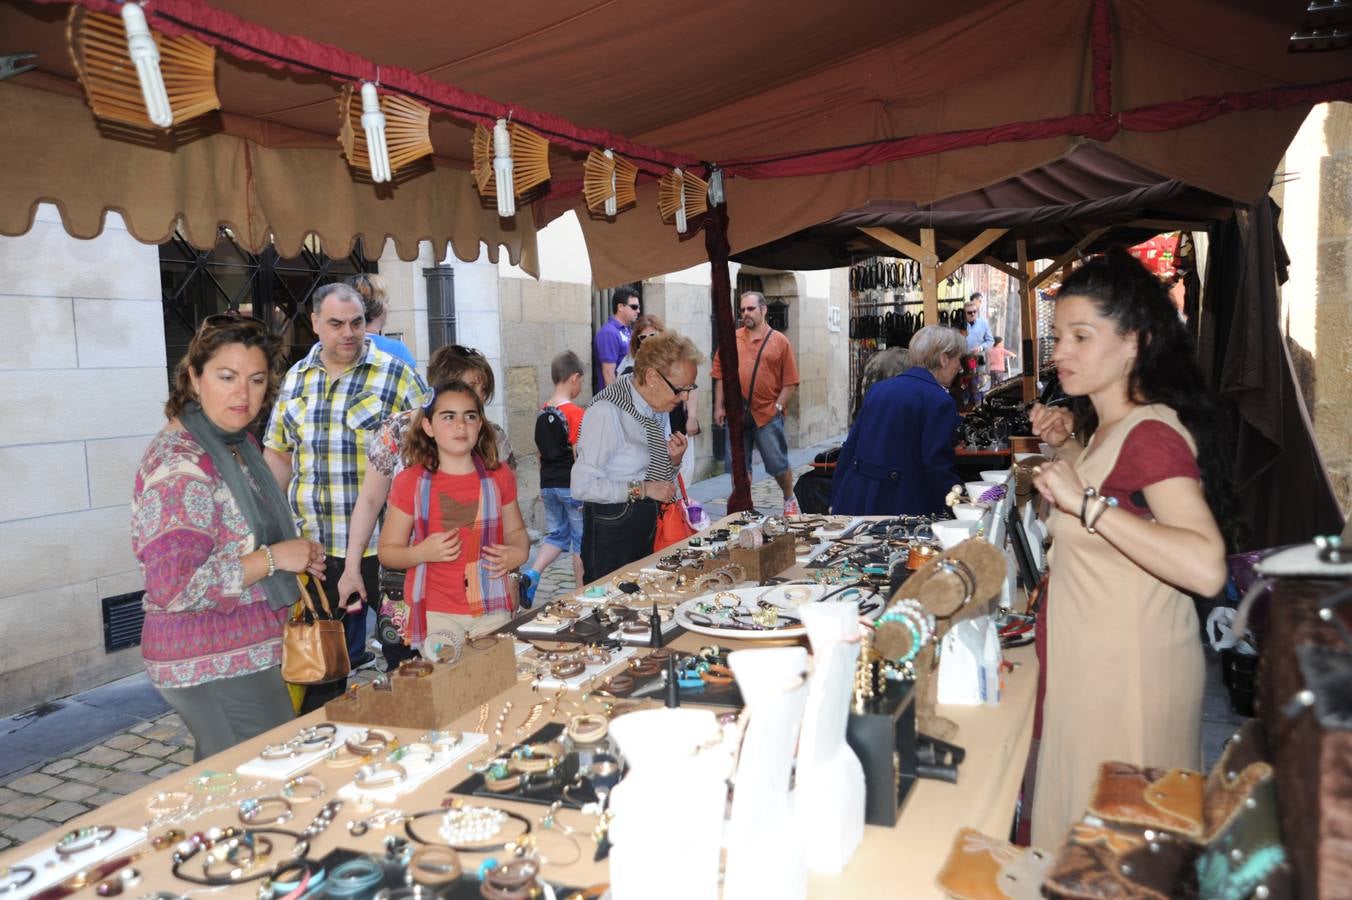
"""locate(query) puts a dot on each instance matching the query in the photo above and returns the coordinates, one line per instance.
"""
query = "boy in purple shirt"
(612, 341)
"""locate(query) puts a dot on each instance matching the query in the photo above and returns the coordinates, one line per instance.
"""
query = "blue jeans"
(563, 519)
(769, 439)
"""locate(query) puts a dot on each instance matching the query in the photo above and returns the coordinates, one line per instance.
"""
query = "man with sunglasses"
(768, 374)
(612, 341)
(979, 341)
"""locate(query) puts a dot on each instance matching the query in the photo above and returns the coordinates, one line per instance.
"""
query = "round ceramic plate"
(785, 596)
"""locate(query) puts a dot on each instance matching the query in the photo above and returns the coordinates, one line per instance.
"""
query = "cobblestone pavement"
(38, 798)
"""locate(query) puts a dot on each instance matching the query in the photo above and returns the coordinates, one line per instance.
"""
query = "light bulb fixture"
(502, 169)
(681, 195)
(145, 55)
(716, 187)
(680, 210)
(612, 206)
(373, 123)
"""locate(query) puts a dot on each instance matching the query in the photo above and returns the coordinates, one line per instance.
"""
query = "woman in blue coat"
(898, 459)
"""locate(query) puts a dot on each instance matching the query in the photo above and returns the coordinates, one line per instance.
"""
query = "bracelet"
(567, 669)
(465, 828)
(309, 783)
(716, 674)
(621, 685)
(380, 774)
(535, 758)
(644, 667)
(370, 741)
(251, 810)
(635, 491)
(1089, 494)
(1101, 505)
(416, 668)
(215, 783)
(16, 877)
(433, 866)
(82, 839)
(168, 802)
(286, 750)
(272, 563)
(355, 878)
(587, 728)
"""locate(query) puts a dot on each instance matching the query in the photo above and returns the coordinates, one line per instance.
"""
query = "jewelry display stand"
(765, 845)
(677, 774)
(829, 780)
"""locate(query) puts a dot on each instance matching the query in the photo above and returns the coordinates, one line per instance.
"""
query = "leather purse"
(986, 868)
(314, 649)
(673, 522)
(1101, 860)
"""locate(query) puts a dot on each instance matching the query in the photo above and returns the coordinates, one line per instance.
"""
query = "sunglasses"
(459, 350)
(971, 312)
(678, 391)
(633, 306)
(233, 319)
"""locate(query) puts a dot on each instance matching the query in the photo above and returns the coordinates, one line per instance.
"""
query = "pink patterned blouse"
(201, 623)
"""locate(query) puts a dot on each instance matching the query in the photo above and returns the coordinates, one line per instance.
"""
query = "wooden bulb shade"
(596, 181)
(530, 160)
(670, 188)
(98, 47)
(406, 129)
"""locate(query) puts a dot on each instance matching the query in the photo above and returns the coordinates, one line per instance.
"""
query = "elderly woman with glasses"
(628, 455)
(899, 459)
(685, 416)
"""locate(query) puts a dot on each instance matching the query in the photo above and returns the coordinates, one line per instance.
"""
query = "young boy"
(556, 431)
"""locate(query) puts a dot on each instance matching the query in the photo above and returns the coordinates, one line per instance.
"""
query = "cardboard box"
(436, 700)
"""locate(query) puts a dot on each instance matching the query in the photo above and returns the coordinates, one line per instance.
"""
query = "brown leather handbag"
(314, 649)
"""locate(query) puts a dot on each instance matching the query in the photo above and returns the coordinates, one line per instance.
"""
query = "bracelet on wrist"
(1089, 494)
(1101, 505)
(636, 491)
(272, 563)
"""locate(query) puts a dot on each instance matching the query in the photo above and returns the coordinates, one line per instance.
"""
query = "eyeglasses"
(678, 391)
(233, 319)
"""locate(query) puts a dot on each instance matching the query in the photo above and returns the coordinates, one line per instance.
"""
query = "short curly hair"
(662, 351)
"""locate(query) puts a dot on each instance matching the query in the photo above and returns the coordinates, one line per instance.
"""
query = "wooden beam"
(969, 250)
(988, 260)
(905, 247)
(1028, 320)
(1166, 225)
(929, 280)
(1041, 277)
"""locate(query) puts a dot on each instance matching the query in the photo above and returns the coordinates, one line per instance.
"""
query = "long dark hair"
(421, 450)
(1165, 370)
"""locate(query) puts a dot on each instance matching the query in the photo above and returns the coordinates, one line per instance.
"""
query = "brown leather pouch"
(1160, 799)
(979, 867)
(1102, 860)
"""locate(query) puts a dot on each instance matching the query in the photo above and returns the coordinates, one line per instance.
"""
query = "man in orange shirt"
(768, 373)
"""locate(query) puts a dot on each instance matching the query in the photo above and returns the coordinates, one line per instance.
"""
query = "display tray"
(653, 686)
(575, 798)
(466, 887)
(732, 622)
(589, 633)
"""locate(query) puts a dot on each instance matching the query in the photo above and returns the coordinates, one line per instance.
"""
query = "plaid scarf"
(659, 456)
(483, 592)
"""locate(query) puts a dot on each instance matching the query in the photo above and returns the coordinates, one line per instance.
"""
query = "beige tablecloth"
(891, 862)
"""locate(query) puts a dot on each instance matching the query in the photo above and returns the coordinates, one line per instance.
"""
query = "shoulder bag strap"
(755, 370)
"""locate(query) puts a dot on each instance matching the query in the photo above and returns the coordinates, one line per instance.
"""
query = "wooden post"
(929, 277)
(1029, 322)
(926, 253)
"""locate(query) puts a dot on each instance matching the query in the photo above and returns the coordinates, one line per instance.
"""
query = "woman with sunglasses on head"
(386, 457)
(217, 541)
(1136, 483)
(628, 455)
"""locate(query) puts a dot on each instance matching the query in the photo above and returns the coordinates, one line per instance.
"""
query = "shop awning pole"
(1031, 366)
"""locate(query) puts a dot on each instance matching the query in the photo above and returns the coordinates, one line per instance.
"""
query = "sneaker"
(366, 661)
(530, 583)
(791, 506)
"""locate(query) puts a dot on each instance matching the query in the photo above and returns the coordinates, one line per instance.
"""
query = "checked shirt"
(326, 424)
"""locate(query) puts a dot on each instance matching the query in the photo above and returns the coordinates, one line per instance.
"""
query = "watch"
(779, 407)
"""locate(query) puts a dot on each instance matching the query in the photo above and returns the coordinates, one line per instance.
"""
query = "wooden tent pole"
(926, 254)
(929, 277)
(1029, 321)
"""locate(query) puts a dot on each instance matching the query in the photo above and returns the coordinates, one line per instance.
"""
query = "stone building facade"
(84, 380)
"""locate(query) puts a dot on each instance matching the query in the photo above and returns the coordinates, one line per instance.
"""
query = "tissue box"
(969, 665)
(436, 700)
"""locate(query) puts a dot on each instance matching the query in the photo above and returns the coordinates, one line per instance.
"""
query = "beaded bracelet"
(82, 839)
(251, 810)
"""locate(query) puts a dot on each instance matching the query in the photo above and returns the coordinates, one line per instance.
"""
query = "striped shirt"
(325, 425)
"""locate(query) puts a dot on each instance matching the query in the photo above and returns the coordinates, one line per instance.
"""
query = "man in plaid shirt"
(330, 404)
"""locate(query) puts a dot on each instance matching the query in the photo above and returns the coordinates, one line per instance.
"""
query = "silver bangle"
(272, 563)
(311, 789)
(380, 774)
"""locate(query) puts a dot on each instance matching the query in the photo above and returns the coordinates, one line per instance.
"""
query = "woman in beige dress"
(1134, 486)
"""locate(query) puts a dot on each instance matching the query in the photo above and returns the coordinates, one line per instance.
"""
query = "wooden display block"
(767, 561)
(436, 700)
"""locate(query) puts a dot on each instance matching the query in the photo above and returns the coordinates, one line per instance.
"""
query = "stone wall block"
(48, 326)
(99, 403)
(42, 479)
(112, 468)
(115, 265)
(51, 623)
(523, 389)
(121, 583)
(72, 548)
(116, 334)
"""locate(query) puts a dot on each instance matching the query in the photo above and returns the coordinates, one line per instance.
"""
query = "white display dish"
(747, 600)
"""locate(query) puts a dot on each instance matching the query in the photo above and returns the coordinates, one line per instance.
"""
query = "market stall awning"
(811, 109)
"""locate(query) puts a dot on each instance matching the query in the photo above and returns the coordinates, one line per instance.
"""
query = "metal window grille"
(122, 618)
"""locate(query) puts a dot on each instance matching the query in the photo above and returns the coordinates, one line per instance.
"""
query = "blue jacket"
(898, 459)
